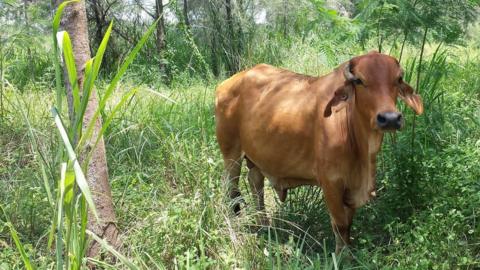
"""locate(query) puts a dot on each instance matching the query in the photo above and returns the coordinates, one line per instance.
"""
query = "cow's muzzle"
(389, 120)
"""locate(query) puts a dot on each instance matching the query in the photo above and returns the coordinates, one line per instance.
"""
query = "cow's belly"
(288, 183)
(280, 156)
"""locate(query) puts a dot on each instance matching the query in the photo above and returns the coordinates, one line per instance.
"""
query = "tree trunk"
(214, 40)
(74, 21)
(185, 14)
(285, 12)
(27, 25)
(99, 21)
(232, 58)
(1, 81)
(161, 44)
(240, 35)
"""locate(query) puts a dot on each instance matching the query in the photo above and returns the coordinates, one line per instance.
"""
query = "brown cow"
(301, 130)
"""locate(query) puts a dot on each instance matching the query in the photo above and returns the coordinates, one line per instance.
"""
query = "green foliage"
(387, 20)
(22, 44)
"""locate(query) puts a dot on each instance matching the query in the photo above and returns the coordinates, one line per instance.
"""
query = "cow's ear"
(413, 100)
(341, 94)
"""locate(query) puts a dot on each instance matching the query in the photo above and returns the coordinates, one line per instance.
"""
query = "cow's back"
(269, 113)
(262, 84)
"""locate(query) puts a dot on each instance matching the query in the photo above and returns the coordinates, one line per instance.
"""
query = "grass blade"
(110, 249)
(59, 240)
(18, 244)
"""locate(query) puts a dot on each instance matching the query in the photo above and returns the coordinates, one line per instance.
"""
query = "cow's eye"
(358, 81)
(400, 80)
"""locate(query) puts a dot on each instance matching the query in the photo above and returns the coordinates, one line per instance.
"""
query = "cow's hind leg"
(229, 142)
(231, 177)
(256, 180)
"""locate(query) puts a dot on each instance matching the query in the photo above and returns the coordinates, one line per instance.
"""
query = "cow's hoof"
(282, 194)
(236, 209)
(340, 247)
(344, 253)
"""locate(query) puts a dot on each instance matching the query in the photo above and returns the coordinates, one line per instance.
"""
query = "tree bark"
(74, 21)
(233, 57)
(240, 36)
(99, 20)
(285, 12)
(185, 14)
(1, 81)
(214, 40)
(161, 44)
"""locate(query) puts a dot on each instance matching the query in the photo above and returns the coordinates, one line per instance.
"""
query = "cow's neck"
(364, 141)
(366, 144)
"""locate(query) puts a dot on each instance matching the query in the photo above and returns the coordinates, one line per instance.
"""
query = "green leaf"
(131, 56)
(68, 190)
(77, 124)
(83, 227)
(79, 175)
(71, 69)
(56, 56)
(101, 51)
(92, 70)
(109, 119)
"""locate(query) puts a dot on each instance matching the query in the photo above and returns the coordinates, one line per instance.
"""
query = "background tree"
(161, 43)
(99, 14)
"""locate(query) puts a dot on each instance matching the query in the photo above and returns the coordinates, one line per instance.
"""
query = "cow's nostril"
(381, 119)
(389, 120)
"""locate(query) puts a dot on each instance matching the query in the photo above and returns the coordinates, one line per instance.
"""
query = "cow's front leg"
(341, 215)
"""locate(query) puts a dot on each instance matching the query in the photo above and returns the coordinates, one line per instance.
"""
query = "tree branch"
(146, 11)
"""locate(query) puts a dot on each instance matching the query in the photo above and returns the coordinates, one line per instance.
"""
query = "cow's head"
(375, 81)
